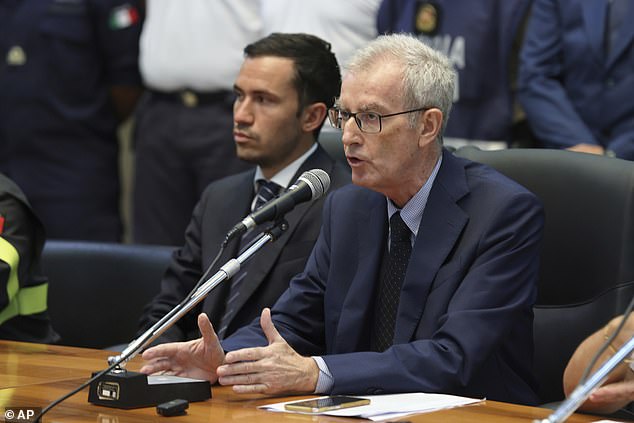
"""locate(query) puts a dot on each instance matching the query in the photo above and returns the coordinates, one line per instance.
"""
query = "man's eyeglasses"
(368, 122)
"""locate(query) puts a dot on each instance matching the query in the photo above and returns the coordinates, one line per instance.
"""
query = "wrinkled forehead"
(378, 88)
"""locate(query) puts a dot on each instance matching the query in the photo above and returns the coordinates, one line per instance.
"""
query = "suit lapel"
(260, 264)
(359, 303)
(626, 35)
(440, 228)
(220, 222)
(594, 15)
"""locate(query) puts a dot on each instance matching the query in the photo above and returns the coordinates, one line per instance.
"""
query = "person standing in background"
(68, 77)
(481, 39)
(577, 75)
(190, 55)
(347, 25)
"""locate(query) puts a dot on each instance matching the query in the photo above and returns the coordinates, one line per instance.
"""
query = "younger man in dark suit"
(442, 304)
(283, 90)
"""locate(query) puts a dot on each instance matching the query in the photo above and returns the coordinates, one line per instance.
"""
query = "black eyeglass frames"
(368, 122)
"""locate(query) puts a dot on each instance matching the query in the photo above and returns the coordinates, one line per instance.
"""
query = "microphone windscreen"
(318, 181)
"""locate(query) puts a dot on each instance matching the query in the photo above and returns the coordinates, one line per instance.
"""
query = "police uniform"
(58, 60)
(347, 24)
(23, 315)
(576, 74)
(189, 59)
(478, 37)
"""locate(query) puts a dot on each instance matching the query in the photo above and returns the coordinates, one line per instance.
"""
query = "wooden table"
(33, 375)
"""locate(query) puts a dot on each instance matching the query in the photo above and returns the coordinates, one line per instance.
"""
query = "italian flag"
(123, 17)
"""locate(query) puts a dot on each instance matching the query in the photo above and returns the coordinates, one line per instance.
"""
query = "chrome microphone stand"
(227, 271)
(120, 388)
(584, 389)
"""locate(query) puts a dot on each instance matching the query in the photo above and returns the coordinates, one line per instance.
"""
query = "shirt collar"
(412, 212)
(284, 177)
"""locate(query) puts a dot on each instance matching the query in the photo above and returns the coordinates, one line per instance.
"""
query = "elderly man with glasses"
(424, 274)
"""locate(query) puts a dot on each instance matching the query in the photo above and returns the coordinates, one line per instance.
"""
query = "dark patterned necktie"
(393, 271)
(267, 190)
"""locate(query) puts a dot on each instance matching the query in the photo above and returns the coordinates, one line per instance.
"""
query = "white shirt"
(196, 44)
(284, 177)
(345, 24)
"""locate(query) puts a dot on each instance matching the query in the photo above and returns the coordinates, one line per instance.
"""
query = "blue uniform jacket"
(572, 91)
(477, 36)
(58, 61)
(464, 323)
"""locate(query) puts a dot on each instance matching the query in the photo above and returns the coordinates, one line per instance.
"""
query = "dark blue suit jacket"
(571, 89)
(464, 323)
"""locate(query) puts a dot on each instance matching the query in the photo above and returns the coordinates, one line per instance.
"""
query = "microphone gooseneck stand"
(583, 390)
(227, 271)
(120, 388)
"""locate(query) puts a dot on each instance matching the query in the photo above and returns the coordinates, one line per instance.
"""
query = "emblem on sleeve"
(16, 56)
(426, 18)
(123, 16)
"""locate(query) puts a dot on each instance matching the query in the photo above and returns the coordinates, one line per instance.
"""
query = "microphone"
(311, 185)
(585, 388)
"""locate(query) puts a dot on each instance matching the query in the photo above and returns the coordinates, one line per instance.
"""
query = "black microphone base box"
(126, 389)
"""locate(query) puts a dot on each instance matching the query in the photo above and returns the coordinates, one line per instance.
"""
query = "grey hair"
(428, 76)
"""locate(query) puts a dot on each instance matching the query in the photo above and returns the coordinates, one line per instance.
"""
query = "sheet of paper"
(383, 407)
